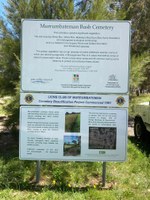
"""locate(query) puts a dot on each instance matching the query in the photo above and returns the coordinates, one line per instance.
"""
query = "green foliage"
(9, 65)
(36, 9)
(11, 34)
(138, 12)
(100, 11)
(11, 108)
(139, 72)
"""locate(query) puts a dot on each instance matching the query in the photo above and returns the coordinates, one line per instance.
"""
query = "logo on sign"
(29, 98)
(120, 101)
(76, 78)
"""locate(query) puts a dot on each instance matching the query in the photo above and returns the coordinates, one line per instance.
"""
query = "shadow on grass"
(143, 145)
(9, 146)
(40, 188)
(32, 187)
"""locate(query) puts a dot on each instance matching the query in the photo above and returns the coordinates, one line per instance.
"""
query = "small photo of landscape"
(72, 122)
(72, 145)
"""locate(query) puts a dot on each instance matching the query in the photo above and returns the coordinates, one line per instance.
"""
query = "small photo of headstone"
(102, 137)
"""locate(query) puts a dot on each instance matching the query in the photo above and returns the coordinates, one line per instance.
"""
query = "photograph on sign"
(72, 145)
(102, 137)
(72, 122)
(73, 134)
(75, 56)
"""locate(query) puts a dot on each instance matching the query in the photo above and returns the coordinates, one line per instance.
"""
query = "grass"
(77, 180)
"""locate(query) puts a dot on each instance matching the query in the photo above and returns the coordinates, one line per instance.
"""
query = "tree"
(95, 10)
(140, 71)
(10, 34)
(138, 12)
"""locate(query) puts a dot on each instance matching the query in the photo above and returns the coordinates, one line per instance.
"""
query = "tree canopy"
(10, 33)
(10, 30)
(139, 13)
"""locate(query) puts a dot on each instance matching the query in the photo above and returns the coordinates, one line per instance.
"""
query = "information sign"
(75, 56)
(74, 90)
(73, 134)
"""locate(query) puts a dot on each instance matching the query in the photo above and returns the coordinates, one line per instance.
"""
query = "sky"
(1, 7)
(4, 2)
(69, 139)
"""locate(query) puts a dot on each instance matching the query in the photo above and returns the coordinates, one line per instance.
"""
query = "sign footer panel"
(73, 134)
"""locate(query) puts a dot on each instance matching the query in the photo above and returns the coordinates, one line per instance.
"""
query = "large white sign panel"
(76, 134)
(75, 56)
